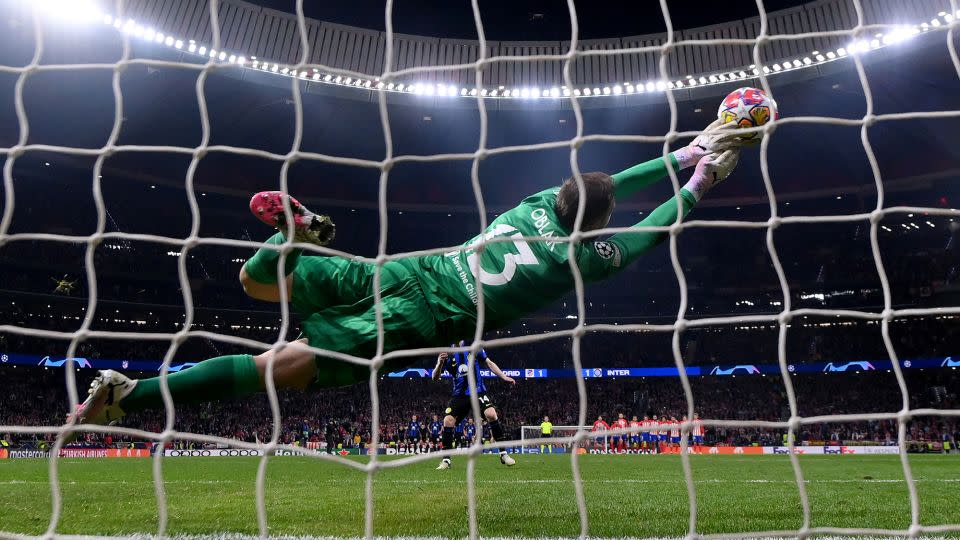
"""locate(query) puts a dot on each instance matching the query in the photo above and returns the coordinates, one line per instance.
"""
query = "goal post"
(560, 433)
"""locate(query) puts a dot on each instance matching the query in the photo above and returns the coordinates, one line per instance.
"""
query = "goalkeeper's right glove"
(711, 170)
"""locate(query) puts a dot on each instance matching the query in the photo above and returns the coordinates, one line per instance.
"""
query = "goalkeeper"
(427, 301)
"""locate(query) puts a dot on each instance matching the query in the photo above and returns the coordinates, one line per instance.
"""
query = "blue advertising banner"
(725, 370)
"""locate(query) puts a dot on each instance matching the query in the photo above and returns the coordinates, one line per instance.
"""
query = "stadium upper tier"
(808, 36)
(806, 161)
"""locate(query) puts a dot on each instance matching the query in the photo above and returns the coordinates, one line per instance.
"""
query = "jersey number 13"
(510, 260)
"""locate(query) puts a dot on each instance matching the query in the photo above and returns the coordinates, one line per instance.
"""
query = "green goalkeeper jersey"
(520, 276)
(432, 300)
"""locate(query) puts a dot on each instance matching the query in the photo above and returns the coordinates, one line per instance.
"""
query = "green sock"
(262, 267)
(211, 380)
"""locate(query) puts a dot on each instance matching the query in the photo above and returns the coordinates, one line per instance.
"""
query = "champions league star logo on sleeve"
(606, 250)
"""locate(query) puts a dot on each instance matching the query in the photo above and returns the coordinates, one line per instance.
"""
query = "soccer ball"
(748, 107)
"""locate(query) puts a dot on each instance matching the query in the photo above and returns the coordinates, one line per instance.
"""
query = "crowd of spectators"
(36, 396)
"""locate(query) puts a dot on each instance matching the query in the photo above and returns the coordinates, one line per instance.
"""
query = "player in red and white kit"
(655, 434)
(635, 436)
(664, 433)
(674, 433)
(621, 439)
(697, 430)
(600, 433)
(647, 435)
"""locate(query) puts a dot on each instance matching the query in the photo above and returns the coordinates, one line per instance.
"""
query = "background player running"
(428, 300)
(459, 407)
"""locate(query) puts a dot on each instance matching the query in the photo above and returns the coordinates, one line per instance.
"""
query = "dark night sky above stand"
(536, 20)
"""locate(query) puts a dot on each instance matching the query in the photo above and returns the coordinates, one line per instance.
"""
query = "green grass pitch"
(637, 496)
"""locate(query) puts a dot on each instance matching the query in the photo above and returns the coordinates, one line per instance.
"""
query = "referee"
(546, 431)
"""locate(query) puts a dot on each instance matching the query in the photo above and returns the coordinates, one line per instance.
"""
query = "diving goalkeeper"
(427, 301)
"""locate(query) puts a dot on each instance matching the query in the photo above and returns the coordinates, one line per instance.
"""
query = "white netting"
(532, 437)
(902, 416)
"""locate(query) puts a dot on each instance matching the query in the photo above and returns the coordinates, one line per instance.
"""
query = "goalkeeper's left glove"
(715, 138)
(711, 170)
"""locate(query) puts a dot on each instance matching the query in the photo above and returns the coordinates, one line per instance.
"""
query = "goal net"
(533, 440)
(772, 51)
(532, 437)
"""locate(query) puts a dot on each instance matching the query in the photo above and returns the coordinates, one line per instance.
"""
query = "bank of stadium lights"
(71, 11)
(86, 10)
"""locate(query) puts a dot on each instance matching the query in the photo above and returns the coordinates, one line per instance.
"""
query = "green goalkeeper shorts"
(336, 297)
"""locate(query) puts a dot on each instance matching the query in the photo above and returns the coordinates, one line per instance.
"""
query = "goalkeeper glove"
(714, 139)
(711, 170)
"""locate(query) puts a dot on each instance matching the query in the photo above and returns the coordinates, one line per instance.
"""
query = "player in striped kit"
(461, 406)
(664, 432)
(675, 432)
(599, 430)
(697, 430)
(425, 301)
(459, 440)
(619, 440)
(635, 435)
(470, 434)
(647, 435)
(436, 427)
(414, 434)
(655, 434)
